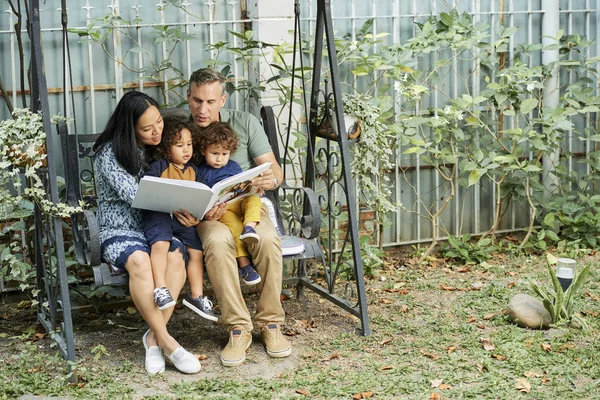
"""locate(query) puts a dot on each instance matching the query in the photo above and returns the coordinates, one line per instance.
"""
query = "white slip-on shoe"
(155, 362)
(185, 361)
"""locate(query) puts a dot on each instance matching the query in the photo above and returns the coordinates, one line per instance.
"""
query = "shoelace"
(162, 294)
(207, 303)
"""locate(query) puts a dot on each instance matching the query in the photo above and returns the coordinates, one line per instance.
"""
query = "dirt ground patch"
(114, 337)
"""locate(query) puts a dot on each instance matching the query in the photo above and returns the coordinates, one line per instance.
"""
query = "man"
(206, 97)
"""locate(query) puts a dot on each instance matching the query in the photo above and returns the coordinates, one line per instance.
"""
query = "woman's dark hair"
(219, 133)
(120, 130)
(171, 134)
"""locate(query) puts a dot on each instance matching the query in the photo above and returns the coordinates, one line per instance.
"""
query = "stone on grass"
(529, 312)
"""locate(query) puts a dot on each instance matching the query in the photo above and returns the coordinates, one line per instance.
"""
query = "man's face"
(205, 102)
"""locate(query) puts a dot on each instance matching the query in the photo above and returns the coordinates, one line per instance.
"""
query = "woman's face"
(149, 127)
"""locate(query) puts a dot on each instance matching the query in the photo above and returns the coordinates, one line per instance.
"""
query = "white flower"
(397, 86)
(530, 87)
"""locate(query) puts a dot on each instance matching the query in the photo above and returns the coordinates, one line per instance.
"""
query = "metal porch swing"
(327, 172)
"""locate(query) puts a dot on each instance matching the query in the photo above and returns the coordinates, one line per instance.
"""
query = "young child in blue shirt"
(173, 161)
(217, 142)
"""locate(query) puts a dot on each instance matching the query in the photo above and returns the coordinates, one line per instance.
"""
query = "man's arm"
(266, 180)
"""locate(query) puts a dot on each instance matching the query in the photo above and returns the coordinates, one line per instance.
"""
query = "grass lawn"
(439, 331)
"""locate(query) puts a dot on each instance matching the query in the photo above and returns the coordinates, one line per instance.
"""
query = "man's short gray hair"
(207, 75)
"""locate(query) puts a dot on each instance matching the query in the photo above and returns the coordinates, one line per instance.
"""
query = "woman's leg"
(141, 287)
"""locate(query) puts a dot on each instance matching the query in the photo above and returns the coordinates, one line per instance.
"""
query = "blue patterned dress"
(121, 226)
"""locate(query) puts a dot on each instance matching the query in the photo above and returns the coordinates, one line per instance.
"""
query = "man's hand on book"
(185, 218)
(265, 180)
(216, 212)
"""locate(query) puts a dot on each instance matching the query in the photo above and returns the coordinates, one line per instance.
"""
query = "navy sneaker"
(249, 235)
(249, 275)
(163, 298)
(201, 306)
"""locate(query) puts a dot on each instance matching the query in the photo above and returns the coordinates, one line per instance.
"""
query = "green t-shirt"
(252, 139)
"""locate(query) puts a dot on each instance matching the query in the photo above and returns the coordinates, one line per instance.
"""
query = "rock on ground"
(529, 312)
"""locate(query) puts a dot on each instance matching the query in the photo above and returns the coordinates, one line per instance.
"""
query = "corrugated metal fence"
(139, 41)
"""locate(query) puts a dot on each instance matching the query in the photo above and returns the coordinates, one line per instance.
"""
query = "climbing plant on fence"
(493, 137)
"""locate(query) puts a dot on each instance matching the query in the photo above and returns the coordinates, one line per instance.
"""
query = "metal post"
(51, 271)
(336, 149)
(550, 27)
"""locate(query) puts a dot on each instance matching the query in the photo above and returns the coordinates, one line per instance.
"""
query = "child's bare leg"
(196, 301)
(158, 258)
(196, 272)
(159, 253)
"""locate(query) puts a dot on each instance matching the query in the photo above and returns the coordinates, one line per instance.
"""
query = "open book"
(168, 195)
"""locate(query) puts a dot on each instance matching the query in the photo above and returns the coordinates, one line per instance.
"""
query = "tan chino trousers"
(220, 263)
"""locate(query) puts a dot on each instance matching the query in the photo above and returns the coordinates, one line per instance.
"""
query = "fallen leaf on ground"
(436, 382)
(523, 385)
(511, 273)
(385, 301)
(489, 316)
(404, 308)
(499, 357)
(445, 386)
(481, 326)
(131, 310)
(463, 270)
(451, 349)
(34, 370)
(303, 392)
(567, 346)
(430, 355)
(386, 341)
(533, 374)
(38, 336)
(471, 320)
(449, 288)
(592, 296)
(363, 395)
(511, 285)
(435, 396)
(386, 368)
(547, 347)
(331, 357)
(202, 357)
(131, 328)
(487, 344)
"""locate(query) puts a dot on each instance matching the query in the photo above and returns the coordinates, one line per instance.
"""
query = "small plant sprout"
(556, 300)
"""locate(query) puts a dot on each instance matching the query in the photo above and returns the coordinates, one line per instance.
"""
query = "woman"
(135, 125)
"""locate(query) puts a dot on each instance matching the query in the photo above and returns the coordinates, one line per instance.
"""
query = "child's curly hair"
(218, 133)
(171, 134)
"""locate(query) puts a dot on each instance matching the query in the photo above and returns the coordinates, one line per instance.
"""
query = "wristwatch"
(275, 182)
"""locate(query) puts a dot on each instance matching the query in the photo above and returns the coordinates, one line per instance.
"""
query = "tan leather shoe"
(277, 345)
(235, 352)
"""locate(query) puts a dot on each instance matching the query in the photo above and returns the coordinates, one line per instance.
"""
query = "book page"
(168, 195)
(238, 186)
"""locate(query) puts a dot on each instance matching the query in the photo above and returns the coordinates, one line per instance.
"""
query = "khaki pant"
(238, 214)
(219, 257)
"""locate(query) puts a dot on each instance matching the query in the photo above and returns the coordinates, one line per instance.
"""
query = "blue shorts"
(162, 228)
(117, 248)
